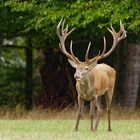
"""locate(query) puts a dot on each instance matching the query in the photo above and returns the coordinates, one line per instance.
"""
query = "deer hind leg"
(99, 112)
(92, 111)
(108, 102)
(79, 112)
(108, 97)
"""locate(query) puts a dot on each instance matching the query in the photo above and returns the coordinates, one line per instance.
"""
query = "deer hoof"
(75, 130)
(94, 130)
(109, 130)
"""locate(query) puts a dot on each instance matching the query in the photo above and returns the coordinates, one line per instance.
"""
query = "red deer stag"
(92, 80)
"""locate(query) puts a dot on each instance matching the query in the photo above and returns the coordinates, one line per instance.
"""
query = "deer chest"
(87, 96)
(85, 92)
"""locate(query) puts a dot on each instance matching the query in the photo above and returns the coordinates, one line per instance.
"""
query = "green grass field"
(51, 124)
(63, 130)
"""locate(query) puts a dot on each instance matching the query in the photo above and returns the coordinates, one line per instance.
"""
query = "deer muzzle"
(77, 76)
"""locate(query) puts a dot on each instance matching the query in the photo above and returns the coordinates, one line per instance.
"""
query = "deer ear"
(73, 64)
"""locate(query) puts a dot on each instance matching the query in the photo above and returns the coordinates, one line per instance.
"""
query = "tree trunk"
(0, 45)
(29, 81)
(54, 80)
(132, 76)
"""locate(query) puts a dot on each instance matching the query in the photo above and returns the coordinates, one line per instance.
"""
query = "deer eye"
(86, 68)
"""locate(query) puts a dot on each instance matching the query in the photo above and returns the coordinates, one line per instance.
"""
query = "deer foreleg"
(99, 112)
(79, 112)
(92, 110)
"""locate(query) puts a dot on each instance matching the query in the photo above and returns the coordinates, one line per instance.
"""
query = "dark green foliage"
(12, 74)
(91, 18)
(37, 20)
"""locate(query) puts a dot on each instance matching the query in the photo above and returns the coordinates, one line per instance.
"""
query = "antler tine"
(124, 35)
(71, 48)
(62, 27)
(99, 56)
(62, 37)
(95, 58)
(104, 48)
(66, 29)
(71, 51)
(87, 52)
(58, 28)
(117, 37)
(122, 32)
(113, 30)
(71, 31)
(121, 28)
(121, 25)
(104, 45)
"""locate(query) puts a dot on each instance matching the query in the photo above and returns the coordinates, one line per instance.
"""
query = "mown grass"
(59, 125)
(63, 130)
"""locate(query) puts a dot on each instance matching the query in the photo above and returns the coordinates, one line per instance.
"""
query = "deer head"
(83, 68)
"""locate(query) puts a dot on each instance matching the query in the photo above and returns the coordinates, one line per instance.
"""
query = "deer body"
(92, 80)
(96, 82)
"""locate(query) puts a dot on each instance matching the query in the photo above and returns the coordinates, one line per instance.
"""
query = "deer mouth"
(77, 78)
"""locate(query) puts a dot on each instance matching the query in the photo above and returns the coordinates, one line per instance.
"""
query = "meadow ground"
(58, 125)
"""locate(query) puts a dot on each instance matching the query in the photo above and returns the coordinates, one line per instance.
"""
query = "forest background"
(33, 71)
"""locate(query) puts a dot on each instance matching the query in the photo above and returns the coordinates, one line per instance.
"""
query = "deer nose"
(76, 76)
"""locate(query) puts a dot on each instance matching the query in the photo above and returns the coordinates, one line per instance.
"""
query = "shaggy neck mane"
(85, 84)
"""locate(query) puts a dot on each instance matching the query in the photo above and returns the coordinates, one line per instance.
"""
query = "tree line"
(33, 70)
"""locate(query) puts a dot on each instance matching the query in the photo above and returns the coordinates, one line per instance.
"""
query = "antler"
(62, 37)
(117, 37)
